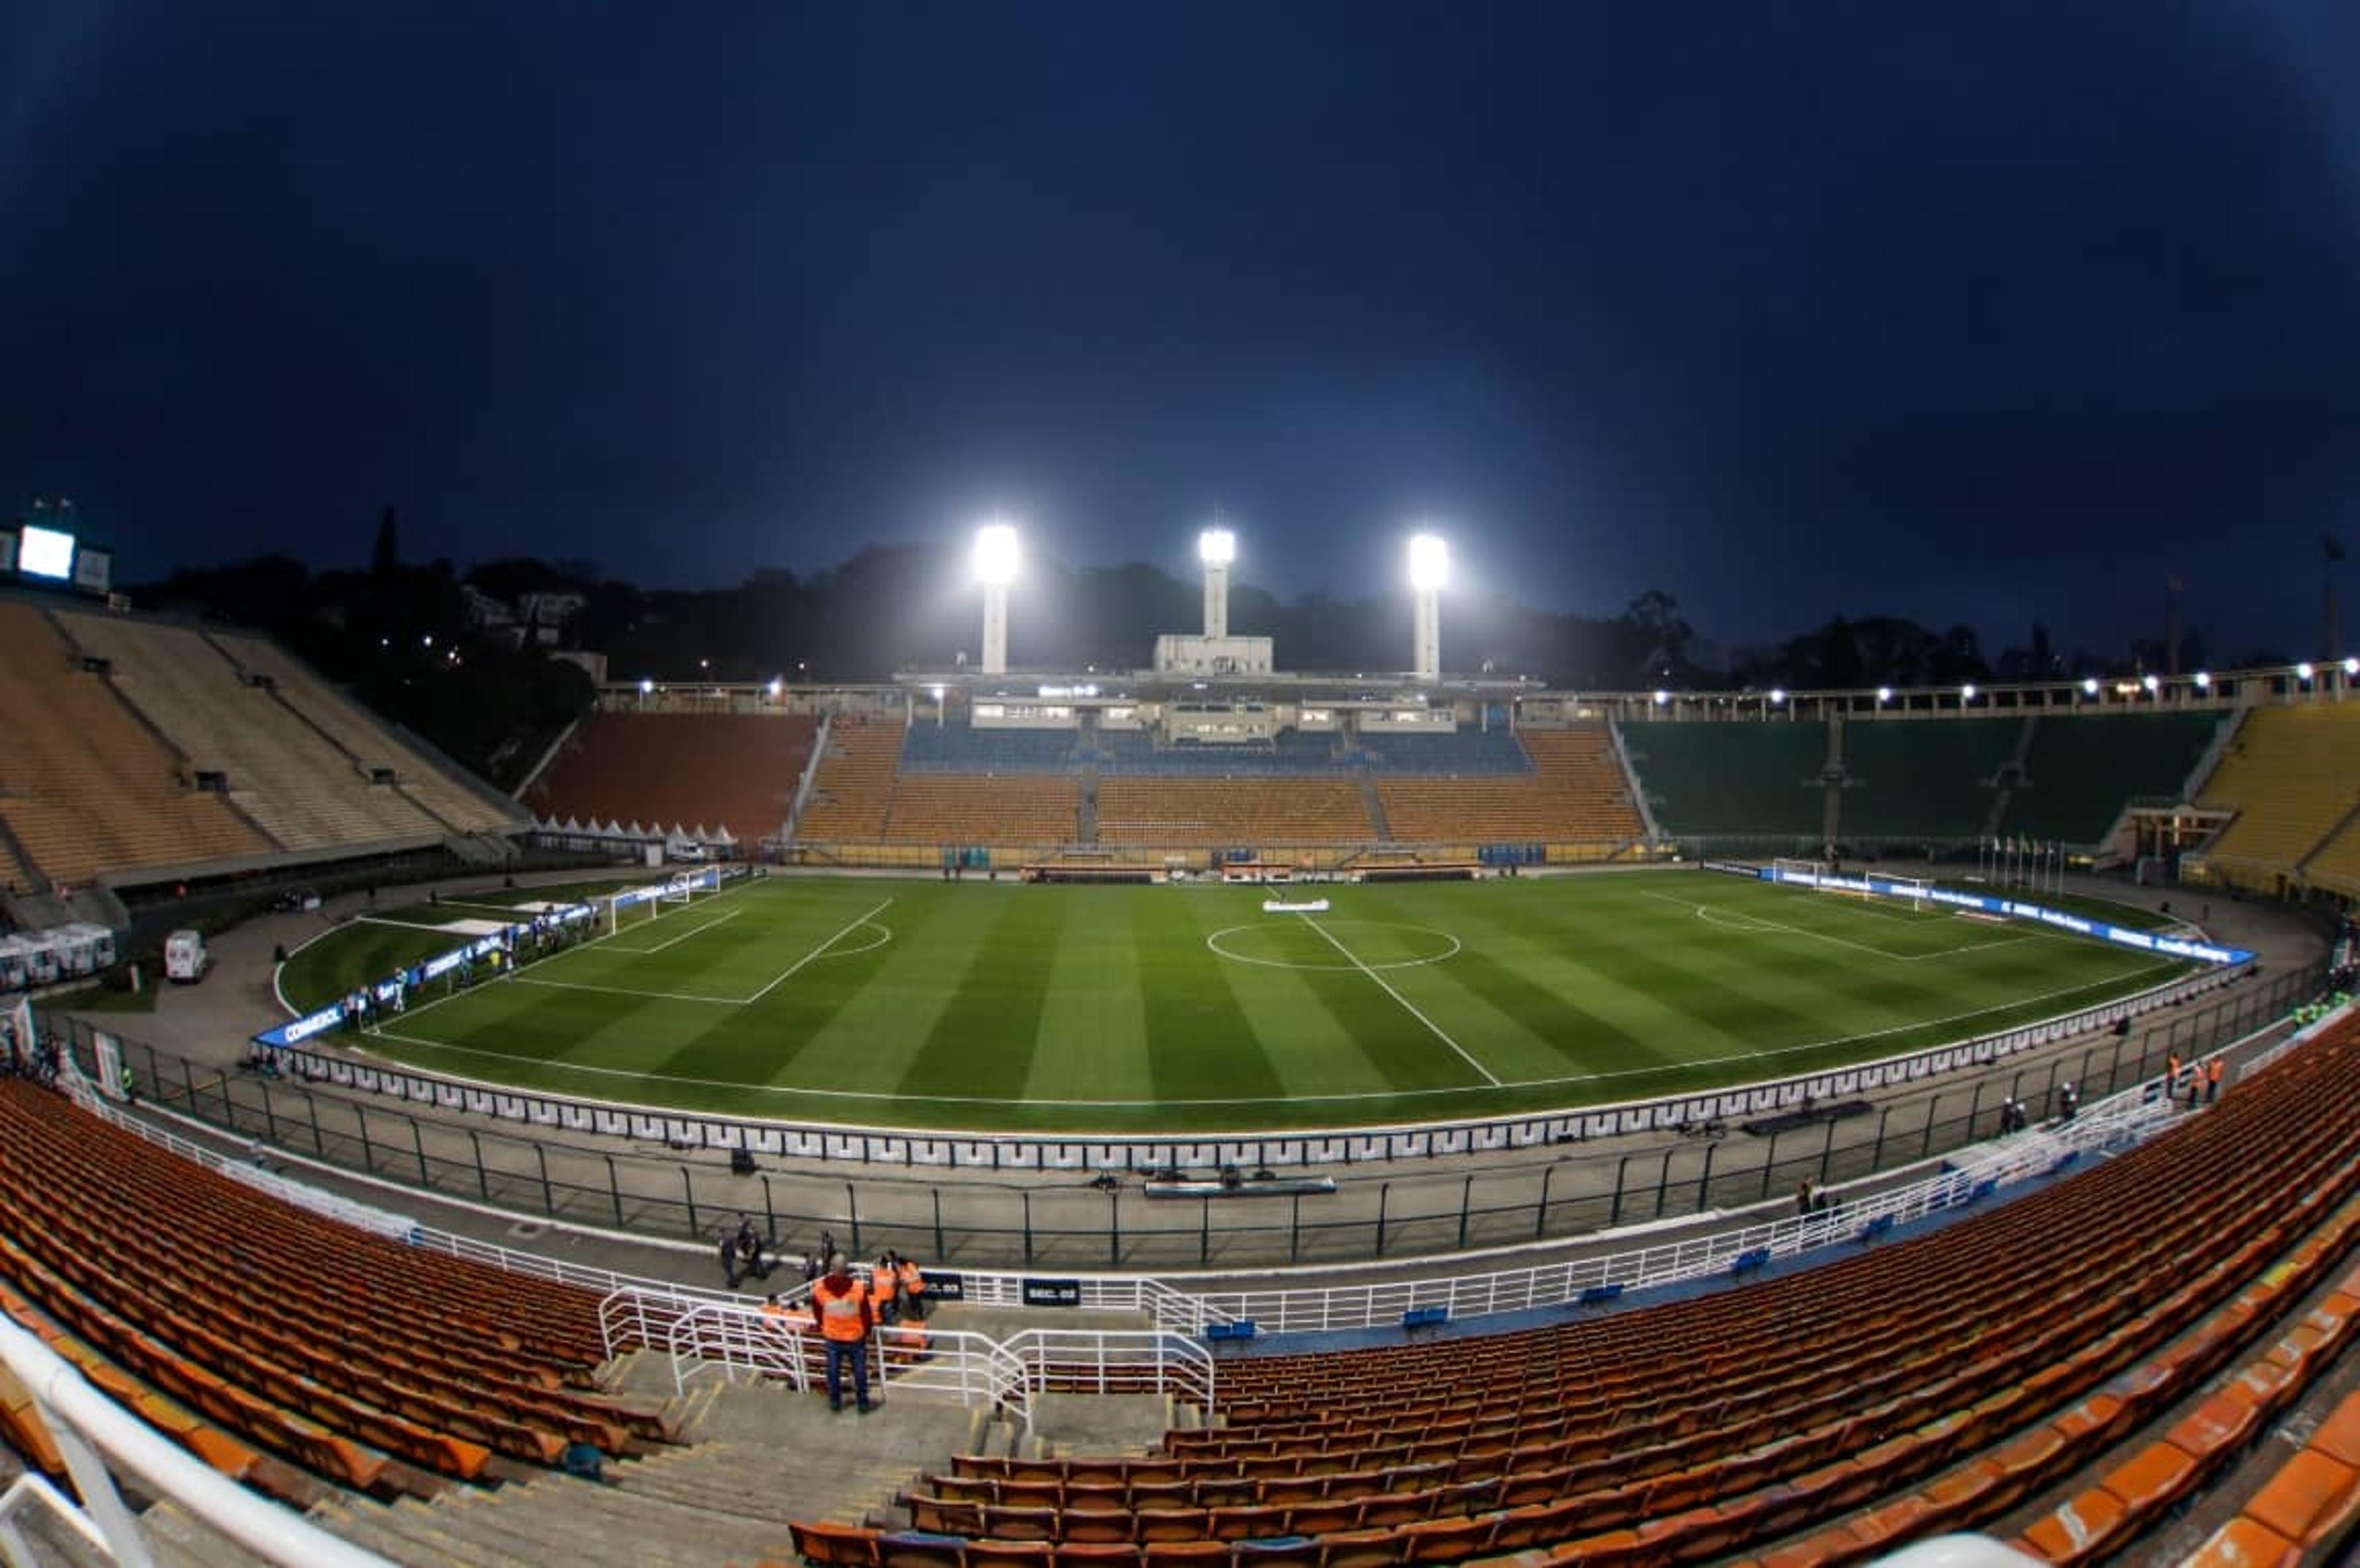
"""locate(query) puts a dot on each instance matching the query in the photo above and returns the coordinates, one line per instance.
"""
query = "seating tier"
(710, 771)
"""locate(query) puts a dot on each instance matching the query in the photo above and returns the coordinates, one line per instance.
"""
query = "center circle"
(1349, 946)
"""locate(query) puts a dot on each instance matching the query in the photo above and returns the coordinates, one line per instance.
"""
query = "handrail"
(93, 1431)
(1055, 1357)
(719, 1337)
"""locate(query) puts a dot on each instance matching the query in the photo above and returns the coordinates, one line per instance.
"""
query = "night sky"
(1987, 312)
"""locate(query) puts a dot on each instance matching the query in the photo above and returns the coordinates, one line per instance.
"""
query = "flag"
(2333, 546)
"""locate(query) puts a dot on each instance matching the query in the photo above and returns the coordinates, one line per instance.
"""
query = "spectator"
(885, 1289)
(747, 1244)
(2068, 1102)
(2212, 1080)
(841, 1304)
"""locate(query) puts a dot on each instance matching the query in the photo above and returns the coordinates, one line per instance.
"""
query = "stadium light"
(777, 686)
(2352, 665)
(1662, 696)
(995, 554)
(1216, 548)
(1429, 562)
(2089, 685)
(2304, 671)
(1884, 695)
(995, 567)
(646, 686)
(2205, 680)
(1966, 693)
(1777, 696)
(2151, 683)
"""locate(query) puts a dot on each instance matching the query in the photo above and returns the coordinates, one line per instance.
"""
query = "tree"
(386, 557)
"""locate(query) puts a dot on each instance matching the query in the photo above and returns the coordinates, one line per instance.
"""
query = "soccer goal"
(1806, 872)
(637, 905)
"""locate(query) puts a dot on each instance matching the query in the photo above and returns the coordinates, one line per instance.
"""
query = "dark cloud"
(1992, 312)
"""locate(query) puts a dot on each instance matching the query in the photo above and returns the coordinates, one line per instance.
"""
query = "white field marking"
(884, 935)
(542, 963)
(448, 928)
(1714, 915)
(1407, 1005)
(627, 991)
(788, 973)
(737, 1087)
(1214, 942)
(643, 952)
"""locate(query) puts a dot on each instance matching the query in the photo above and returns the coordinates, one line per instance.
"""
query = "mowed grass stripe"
(1093, 1036)
(982, 1043)
(1200, 1043)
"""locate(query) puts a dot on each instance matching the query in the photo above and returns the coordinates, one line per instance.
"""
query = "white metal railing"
(1116, 1361)
(735, 1341)
(92, 1433)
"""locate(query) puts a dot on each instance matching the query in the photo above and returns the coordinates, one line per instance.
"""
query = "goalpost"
(636, 906)
(1820, 876)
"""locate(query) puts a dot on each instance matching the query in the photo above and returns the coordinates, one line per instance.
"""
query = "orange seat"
(2242, 1543)
(2309, 1498)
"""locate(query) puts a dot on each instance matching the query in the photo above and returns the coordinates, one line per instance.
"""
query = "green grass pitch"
(1165, 1009)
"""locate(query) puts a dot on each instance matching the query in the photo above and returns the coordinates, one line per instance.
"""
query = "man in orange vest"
(841, 1303)
(913, 1287)
(884, 1289)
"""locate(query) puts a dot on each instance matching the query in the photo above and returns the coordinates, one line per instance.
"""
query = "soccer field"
(1172, 1009)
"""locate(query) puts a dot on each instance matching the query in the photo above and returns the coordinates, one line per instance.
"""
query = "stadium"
(1339, 1118)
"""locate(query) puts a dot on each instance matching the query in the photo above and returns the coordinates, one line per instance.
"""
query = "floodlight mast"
(1217, 548)
(1429, 571)
(995, 566)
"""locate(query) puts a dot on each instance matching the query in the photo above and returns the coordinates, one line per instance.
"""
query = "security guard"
(842, 1306)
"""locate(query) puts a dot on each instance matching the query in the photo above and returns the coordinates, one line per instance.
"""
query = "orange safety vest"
(845, 1317)
(881, 1285)
(912, 1282)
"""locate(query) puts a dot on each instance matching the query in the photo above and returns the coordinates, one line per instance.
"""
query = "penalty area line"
(1407, 1005)
(790, 972)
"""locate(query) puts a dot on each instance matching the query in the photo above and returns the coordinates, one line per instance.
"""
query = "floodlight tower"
(995, 567)
(1217, 548)
(1429, 571)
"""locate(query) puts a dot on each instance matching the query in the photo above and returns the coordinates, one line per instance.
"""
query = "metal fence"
(1405, 1207)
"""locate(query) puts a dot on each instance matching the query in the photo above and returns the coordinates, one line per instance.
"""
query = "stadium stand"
(365, 738)
(1708, 779)
(1826, 1415)
(1189, 811)
(2312, 1503)
(933, 809)
(85, 787)
(1465, 754)
(2081, 770)
(283, 1348)
(2336, 863)
(713, 770)
(1929, 779)
(1575, 793)
(1292, 752)
(2292, 775)
(852, 793)
(297, 784)
(960, 748)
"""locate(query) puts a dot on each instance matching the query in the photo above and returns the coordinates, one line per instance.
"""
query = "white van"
(185, 959)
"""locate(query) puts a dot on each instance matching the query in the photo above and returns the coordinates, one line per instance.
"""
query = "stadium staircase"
(1831, 807)
(1373, 803)
(760, 1458)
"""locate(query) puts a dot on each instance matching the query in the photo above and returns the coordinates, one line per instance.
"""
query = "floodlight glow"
(777, 686)
(2205, 680)
(1216, 547)
(45, 553)
(2352, 665)
(995, 553)
(1777, 695)
(1662, 696)
(646, 685)
(2089, 685)
(2150, 683)
(1967, 693)
(1429, 562)
(1885, 693)
(2304, 671)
